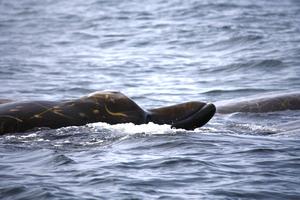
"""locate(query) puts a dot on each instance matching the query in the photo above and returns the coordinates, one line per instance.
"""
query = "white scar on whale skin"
(11, 117)
(119, 114)
(56, 110)
(115, 113)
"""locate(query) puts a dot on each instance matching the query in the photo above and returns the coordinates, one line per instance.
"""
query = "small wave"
(269, 63)
(239, 42)
(266, 65)
(254, 66)
(261, 151)
(229, 91)
(180, 161)
(85, 36)
(62, 160)
(9, 191)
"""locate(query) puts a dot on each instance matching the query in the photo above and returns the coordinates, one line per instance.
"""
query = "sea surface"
(158, 52)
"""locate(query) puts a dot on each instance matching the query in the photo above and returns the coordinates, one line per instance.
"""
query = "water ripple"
(158, 53)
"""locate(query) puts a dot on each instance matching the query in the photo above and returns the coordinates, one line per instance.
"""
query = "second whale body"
(265, 103)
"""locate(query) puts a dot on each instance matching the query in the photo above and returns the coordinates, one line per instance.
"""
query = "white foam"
(130, 128)
(32, 135)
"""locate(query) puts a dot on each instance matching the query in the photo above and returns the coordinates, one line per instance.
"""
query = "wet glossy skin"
(269, 103)
(110, 107)
(115, 107)
(98, 107)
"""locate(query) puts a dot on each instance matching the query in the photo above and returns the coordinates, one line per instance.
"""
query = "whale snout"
(187, 116)
(197, 118)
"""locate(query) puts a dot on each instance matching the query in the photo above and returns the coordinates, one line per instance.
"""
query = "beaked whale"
(109, 107)
(115, 108)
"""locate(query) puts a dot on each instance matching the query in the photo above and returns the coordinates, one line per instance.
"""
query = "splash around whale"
(116, 108)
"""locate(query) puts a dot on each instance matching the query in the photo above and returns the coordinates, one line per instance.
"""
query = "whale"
(102, 106)
(115, 107)
(260, 104)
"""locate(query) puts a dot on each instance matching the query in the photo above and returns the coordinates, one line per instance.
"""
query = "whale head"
(187, 116)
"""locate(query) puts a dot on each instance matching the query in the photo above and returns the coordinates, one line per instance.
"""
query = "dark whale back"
(110, 107)
(269, 103)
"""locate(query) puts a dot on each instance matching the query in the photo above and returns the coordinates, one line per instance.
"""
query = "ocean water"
(158, 52)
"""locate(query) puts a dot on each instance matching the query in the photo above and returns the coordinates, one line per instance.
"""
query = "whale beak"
(187, 116)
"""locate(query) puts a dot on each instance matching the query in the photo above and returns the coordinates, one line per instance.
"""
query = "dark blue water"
(158, 52)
